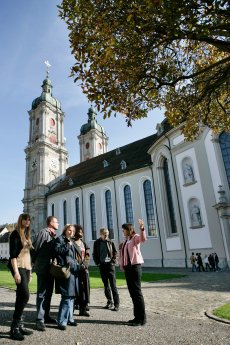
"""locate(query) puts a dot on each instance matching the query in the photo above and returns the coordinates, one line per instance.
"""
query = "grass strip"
(223, 312)
(7, 281)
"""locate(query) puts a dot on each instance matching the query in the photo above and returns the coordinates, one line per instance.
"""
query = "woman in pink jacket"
(130, 262)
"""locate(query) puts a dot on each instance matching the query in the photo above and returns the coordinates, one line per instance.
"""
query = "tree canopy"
(134, 56)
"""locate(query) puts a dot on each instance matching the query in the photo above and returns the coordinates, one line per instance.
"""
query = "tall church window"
(77, 211)
(93, 217)
(128, 204)
(150, 215)
(109, 213)
(169, 197)
(224, 140)
(65, 212)
(52, 210)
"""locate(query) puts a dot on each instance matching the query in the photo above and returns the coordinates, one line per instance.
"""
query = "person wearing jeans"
(65, 254)
(42, 258)
(130, 261)
(20, 267)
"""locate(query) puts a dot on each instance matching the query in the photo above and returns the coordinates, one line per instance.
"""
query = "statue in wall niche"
(195, 216)
(188, 173)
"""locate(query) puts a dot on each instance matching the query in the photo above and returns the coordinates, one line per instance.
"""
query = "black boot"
(15, 331)
(23, 330)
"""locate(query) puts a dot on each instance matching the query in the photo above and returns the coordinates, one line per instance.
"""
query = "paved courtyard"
(175, 313)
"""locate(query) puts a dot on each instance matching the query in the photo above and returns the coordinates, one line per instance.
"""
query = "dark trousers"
(22, 293)
(45, 285)
(133, 279)
(107, 271)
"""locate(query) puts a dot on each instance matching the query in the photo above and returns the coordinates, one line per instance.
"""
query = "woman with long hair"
(130, 261)
(20, 267)
(83, 257)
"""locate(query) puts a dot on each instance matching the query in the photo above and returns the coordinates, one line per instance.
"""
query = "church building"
(179, 188)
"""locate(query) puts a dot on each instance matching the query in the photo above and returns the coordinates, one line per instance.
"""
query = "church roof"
(134, 155)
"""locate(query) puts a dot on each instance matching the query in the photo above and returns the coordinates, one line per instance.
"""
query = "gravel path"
(175, 313)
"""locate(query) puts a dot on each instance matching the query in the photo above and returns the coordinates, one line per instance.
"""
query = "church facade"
(179, 188)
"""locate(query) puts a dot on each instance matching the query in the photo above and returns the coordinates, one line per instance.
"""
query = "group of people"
(211, 262)
(69, 250)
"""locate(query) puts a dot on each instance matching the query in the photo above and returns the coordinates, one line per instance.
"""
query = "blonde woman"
(65, 254)
(20, 267)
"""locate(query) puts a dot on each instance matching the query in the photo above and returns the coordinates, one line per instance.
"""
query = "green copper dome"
(92, 123)
(46, 95)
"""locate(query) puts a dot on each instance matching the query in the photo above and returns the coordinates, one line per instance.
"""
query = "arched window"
(169, 197)
(52, 210)
(109, 213)
(77, 211)
(93, 217)
(224, 140)
(128, 205)
(151, 221)
(64, 212)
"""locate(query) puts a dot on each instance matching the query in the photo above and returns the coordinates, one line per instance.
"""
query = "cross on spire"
(48, 65)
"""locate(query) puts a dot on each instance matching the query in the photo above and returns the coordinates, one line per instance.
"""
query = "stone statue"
(188, 173)
(195, 216)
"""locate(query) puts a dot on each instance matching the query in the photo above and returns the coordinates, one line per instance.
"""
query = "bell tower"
(46, 155)
(92, 141)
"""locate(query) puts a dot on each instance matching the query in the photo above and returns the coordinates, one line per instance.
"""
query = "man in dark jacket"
(105, 255)
(44, 249)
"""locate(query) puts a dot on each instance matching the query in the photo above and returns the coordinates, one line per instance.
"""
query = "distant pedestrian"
(105, 256)
(193, 262)
(216, 258)
(44, 252)
(200, 263)
(130, 261)
(206, 262)
(21, 270)
(211, 261)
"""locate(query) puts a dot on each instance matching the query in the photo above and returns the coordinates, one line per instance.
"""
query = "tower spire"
(48, 65)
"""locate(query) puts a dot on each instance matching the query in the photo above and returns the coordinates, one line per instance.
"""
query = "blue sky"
(30, 33)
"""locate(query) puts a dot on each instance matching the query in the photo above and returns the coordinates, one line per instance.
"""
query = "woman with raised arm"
(130, 262)
(20, 267)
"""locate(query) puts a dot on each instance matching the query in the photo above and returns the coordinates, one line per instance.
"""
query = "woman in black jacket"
(20, 267)
(65, 253)
(83, 257)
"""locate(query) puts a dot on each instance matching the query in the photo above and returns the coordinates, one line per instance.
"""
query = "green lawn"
(6, 279)
(223, 312)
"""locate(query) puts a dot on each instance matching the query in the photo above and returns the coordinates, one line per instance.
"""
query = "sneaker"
(84, 313)
(72, 323)
(62, 327)
(50, 320)
(109, 305)
(15, 334)
(116, 308)
(40, 326)
(137, 323)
